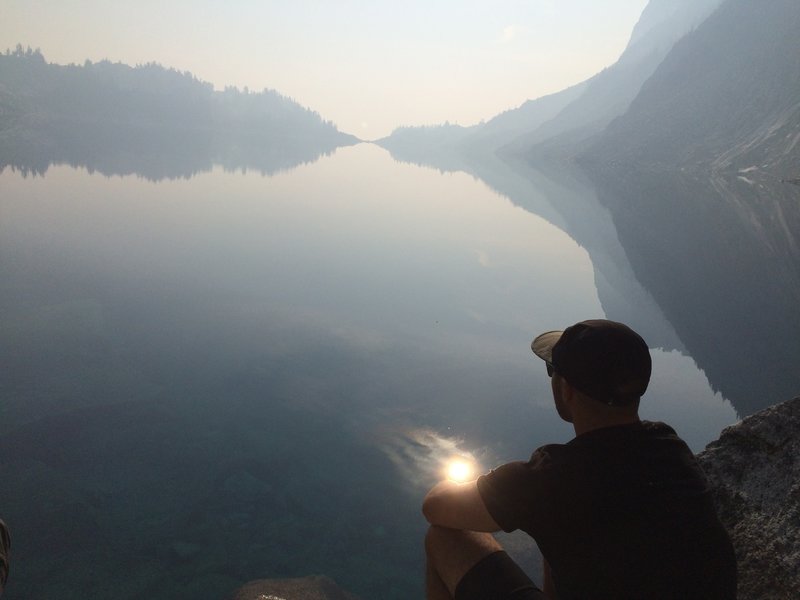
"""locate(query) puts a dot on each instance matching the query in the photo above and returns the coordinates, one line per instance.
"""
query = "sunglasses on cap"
(550, 369)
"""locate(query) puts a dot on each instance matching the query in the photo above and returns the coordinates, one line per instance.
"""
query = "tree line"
(34, 92)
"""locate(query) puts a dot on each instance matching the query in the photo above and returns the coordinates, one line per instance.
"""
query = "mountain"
(562, 121)
(726, 99)
(99, 115)
(609, 93)
(526, 119)
(423, 144)
(695, 175)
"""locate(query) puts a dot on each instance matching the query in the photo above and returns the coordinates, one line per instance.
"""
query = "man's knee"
(435, 538)
(452, 552)
(443, 538)
(440, 540)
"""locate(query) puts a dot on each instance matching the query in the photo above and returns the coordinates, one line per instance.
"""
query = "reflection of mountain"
(717, 253)
(723, 260)
(563, 197)
(147, 120)
(712, 267)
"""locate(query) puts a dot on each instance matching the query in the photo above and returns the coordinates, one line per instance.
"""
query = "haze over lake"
(277, 362)
(239, 342)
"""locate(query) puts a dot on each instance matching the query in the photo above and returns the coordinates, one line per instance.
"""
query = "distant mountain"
(100, 115)
(561, 122)
(438, 146)
(609, 93)
(444, 146)
(726, 98)
(526, 119)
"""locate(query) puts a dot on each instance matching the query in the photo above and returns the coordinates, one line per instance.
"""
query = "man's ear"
(563, 396)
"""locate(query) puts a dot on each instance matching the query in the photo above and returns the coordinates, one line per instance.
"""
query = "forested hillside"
(91, 114)
(32, 89)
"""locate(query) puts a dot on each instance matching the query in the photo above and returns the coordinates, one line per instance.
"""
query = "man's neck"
(586, 423)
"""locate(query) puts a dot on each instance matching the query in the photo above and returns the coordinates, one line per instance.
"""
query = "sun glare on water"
(460, 469)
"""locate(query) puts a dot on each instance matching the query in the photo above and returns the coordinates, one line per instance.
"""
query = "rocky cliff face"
(724, 99)
(609, 93)
(754, 468)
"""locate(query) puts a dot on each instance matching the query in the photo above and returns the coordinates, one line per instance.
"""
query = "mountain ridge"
(567, 118)
(725, 100)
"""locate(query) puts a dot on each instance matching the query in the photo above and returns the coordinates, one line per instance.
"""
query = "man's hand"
(458, 506)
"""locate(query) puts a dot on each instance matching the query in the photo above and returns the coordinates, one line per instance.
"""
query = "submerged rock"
(754, 468)
(316, 587)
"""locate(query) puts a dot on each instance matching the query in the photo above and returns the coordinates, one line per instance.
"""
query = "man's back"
(619, 512)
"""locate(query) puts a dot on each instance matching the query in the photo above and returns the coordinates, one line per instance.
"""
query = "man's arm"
(458, 506)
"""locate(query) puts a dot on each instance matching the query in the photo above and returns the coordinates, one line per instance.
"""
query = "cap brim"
(542, 345)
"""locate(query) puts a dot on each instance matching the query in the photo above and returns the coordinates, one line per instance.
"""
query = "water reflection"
(226, 362)
(225, 358)
(563, 196)
(709, 267)
(722, 258)
(424, 456)
(460, 469)
(157, 154)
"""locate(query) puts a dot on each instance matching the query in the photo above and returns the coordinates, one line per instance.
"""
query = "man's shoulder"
(641, 431)
(547, 458)
(595, 448)
(657, 428)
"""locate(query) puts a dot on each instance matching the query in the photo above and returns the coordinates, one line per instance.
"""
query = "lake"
(230, 376)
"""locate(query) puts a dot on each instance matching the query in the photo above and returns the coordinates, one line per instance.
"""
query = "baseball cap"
(606, 360)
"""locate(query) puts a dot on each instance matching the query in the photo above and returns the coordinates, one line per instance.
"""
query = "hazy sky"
(369, 66)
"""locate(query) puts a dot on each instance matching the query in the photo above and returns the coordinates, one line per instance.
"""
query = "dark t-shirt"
(618, 512)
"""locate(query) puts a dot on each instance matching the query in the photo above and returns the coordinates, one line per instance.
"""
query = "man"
(620, 511)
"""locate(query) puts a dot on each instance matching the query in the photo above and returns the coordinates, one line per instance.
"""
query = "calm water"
(236, 376)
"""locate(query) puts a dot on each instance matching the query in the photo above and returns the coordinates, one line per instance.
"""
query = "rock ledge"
(315, 587)
(754, 468)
